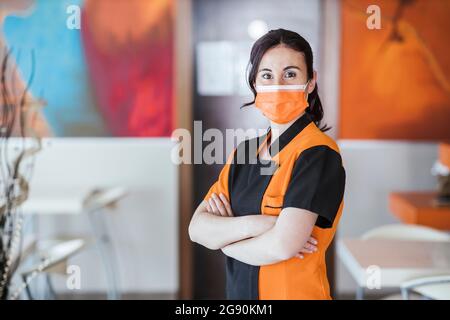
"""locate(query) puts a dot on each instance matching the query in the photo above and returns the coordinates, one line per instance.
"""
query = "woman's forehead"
(280, 57)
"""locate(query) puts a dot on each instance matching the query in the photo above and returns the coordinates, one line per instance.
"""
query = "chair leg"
(405, 293)
(360, 293)
(106, 251)
(51, 289)
(27, 288)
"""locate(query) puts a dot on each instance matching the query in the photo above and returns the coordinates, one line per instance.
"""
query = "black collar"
(290, 133)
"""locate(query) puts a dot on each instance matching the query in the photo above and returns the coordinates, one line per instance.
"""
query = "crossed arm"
(253, 239)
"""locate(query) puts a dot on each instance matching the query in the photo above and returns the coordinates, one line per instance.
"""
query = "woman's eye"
(266, 76)
(290, 74)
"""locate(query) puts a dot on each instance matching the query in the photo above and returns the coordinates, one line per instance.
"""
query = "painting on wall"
(395, 81)
(111, 77)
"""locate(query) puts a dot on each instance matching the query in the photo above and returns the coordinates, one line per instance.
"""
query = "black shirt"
(317, 184)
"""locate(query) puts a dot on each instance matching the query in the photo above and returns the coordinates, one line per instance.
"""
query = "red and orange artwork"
(395, 81)
(129, 52)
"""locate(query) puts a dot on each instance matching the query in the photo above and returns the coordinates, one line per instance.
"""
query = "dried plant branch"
(15, 185)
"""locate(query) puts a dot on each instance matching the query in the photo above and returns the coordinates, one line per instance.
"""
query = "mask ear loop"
(306, 92)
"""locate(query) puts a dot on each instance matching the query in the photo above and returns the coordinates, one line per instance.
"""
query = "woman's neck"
(278, 128)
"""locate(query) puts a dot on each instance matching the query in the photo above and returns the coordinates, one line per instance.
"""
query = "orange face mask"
(281, 103)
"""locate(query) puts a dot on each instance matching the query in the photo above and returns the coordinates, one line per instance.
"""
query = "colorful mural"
(112, 77)
(129, 53)
(395, 81)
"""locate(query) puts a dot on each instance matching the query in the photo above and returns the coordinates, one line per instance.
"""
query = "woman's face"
(281, 65)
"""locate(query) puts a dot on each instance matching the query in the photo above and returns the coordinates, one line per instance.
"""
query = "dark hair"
(296, 42)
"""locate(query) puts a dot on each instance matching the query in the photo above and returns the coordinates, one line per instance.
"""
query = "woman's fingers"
(213, 206)
(226, 204)
(309, 248)
(220, 206)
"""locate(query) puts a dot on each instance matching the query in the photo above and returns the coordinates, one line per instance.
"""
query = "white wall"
(374, 169)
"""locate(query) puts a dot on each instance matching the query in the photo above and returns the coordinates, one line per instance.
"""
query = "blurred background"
(109, 81)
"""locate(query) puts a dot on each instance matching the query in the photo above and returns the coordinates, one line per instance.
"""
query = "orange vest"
(297, 278)
(294, 278)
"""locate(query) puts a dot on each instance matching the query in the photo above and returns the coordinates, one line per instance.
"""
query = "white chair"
(53, 259)
(407, 232)
(94, 205)
(436, 288)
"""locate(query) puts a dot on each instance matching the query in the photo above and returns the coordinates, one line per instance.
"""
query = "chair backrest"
(406, 232)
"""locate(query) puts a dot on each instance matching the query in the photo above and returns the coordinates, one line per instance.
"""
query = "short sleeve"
(221, 185)
(317, 184)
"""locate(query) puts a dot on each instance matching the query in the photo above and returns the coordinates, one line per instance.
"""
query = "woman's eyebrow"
(265, 69)
(291, 67)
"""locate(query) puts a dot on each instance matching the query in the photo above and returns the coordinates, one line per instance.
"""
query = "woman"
(275, 228)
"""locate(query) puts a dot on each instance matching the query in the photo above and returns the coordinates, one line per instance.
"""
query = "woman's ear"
(312, 82)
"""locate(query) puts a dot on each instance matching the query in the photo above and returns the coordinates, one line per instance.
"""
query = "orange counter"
(444, 153)
(419, 208)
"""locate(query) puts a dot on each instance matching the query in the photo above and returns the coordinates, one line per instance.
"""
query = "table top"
(69, 201)
(397, 260)
(419, 208)
(419, 199)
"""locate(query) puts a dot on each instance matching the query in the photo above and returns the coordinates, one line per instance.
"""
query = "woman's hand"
(254, 225)
(219, 205)
(309, 247)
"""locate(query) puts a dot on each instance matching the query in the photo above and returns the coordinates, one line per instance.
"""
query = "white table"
(70, 201)
(79, 201)
(396, 260)
(67, 169)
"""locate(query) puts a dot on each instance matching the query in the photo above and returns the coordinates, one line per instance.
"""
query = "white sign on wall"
(221, 67)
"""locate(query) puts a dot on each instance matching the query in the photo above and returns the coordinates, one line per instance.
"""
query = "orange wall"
(395, 89)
